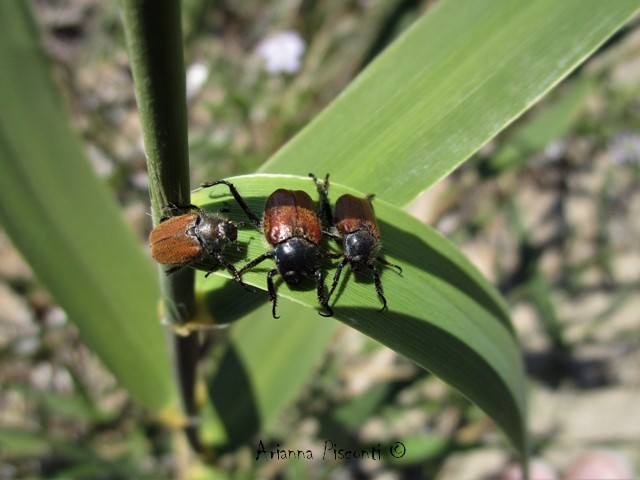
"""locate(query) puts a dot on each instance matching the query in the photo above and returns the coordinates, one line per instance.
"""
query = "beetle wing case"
(170, 244)
(353, 214)
(291, 213)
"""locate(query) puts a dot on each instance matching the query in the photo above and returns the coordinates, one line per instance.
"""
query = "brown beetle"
(293, 228)
(198, 238)
(359, 239)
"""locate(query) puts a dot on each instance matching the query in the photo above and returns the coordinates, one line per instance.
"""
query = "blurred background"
(548, 211)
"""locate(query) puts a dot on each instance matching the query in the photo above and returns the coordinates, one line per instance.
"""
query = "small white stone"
(197, 75)
(624, 148)
(282, 52)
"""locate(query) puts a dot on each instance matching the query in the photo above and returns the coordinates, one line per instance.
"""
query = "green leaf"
(458, 76)
(442, 314)
(66, 224)
(264, 368)
(542, 128)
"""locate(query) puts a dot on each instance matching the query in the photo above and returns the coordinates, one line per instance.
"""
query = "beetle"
(292, 227)
(198, 238)
(359, 238)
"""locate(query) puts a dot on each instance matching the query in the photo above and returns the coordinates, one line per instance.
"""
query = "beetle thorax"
(214, 233)
(361, 249)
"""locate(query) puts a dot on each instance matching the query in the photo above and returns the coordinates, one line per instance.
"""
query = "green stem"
(154, 39)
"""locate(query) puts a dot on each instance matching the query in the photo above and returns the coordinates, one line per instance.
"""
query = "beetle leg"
(324, 210)
(322, 294)
(378, 284)
(256, 261)
(171, 206)
(252, 216)
(334, 236)
(226, 208)
(336, 277)
(389, 264)
(173, 269)
(369, 198)
(232, 270)
(273, 296)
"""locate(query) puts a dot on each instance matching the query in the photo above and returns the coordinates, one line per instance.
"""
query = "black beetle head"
(361, 249)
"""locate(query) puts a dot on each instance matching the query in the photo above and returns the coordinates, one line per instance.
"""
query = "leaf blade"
(68, 227)
(458, 76)
(442, 313)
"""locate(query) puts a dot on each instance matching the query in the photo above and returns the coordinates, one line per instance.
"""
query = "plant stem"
(154, 38)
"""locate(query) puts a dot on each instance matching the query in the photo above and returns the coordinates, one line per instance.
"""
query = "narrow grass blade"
(68, 227)
(457, 77)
